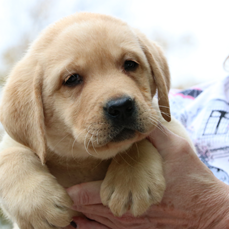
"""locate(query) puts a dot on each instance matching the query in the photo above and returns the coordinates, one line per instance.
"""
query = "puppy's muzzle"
(122, 114)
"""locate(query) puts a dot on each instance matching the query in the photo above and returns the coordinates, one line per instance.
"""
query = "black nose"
(120, 109)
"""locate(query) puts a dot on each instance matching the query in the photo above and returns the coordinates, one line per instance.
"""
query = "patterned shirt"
(204, 112)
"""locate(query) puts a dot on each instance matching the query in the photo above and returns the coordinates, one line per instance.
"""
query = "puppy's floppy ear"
(22, 109)
(160, 72)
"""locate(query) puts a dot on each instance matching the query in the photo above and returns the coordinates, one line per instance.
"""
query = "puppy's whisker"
(164, 106)
(78, 135)
(89, 141)
(97, 164)
(165, 114)
(125, 159)
(97, 135)
(85, 143)
(161, 129)
(110, 136)
(155, 123)
(126, 153)
(94, 148)
(89, 127)
(87, 147)
(92, 141)
(115, 160)
(154, 118)
(61, 140)
(73, 148)
(137, 149)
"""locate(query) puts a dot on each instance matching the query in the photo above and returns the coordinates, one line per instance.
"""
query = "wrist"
(216, 210)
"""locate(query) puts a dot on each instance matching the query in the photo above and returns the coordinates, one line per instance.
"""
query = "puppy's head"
(85, 87)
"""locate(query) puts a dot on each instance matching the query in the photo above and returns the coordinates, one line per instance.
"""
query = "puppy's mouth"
(98, 137)
(123, 135)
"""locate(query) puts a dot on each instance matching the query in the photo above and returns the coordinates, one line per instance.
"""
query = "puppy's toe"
(106, 193)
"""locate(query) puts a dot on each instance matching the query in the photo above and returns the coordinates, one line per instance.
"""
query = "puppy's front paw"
(136, 192)
(43, 205)
(134, 181)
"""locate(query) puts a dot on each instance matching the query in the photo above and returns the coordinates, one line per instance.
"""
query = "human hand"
(194, 198)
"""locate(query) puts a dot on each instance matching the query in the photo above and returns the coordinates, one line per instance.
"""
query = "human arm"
(194, 198)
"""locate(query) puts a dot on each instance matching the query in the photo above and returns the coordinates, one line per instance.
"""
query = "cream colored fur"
(57, 136)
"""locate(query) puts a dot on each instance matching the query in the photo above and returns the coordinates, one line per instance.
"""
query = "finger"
(97, 209)
(83, 223)
(164, 140)
(172, 146)
(101, 212)
(102, 220)
(70, 227)
(86, 193)
(161, 137)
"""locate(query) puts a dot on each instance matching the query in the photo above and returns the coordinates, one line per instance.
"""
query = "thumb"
(164, 140)
(85, 193)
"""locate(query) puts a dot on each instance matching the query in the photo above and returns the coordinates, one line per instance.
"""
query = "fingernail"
(73, 224)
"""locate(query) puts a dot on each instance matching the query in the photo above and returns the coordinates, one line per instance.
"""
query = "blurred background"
(194, 34)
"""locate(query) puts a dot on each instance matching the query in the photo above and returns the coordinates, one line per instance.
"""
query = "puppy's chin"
(120, 144)
(110, 150)
(124, 135)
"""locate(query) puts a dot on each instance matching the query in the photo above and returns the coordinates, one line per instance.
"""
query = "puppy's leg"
(134, 180)
(29, 193)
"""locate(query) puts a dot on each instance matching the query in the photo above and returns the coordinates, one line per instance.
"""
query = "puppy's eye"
(130, 65)
(73, 80)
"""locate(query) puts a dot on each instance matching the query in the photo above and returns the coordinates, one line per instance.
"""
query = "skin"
(194, 198)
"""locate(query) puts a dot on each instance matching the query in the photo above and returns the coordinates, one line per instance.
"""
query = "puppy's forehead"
(91, 40)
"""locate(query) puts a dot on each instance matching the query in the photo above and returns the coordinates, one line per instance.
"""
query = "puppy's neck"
(71, 162)
(72, 171)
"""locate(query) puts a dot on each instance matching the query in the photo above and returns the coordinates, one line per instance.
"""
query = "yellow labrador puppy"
(78, 108)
